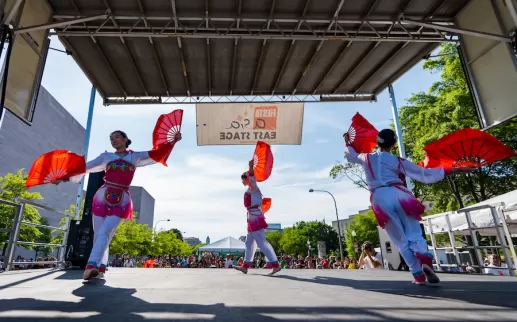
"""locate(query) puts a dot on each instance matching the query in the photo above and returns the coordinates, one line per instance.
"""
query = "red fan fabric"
(164, 136)
(55, 165)
(266, 204)
(167, 127)
(263, 161)
(466, 148)
(362, 135)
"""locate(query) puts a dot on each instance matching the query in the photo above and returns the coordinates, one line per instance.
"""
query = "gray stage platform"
(227, 295)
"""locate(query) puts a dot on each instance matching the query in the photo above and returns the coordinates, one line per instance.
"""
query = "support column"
(398, 130)
(512, 8)
(86, 145)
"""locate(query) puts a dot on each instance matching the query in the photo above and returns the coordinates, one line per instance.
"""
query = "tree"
(294, 239)
(447, 107)
(178, 233)
(353, 171)
(12, 187)
(132, 238)
(273, 237)
(59, 234)
(365, 227)
(195, 249)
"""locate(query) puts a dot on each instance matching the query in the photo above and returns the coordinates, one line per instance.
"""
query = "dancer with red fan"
(395, 207)
(112, 202)
(259, 170)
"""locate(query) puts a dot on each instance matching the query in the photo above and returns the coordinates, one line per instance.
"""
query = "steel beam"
(356, 65)
(453, 30)
(283, 67)
(249, 36)
(307, 67)
(14, 9)
(240, 99)
(263, 51)
(334, 63)
(46, 26)
(135, 68)
(381, 64)
(444, 22)
(106, 61)
(208, 67)
(183, 66)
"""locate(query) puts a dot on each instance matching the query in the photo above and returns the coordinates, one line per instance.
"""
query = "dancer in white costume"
(256, 225)
(395, 207)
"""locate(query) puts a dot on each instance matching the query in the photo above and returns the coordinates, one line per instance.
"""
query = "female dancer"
(395, 207)
(256, 225)
(112, 202)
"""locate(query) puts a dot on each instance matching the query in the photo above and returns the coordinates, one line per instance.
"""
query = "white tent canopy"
(225, 245)
(482, 219)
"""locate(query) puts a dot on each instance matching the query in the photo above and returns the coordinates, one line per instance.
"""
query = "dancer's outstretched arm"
(96, 165)
(157, 154)
(352, 155)
(429, 175)
(251, 176)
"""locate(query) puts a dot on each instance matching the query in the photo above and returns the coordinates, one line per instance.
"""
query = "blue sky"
(200, 191)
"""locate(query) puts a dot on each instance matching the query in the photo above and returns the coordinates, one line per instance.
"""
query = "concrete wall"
(52, 128)
(143, 203)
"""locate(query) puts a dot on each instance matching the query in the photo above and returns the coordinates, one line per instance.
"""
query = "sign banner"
(247, 123)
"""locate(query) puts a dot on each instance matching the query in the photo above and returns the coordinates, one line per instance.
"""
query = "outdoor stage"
(223, 295)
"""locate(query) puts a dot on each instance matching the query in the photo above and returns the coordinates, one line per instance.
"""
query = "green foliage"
(177, 232)
(273, 237)
(365, 227)
(58, 234)
(294, 239)
(12, 187)
(448, 107)
(196, 248)
(137, 239)
(426, 117)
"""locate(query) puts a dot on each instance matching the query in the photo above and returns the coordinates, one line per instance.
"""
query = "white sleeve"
(354, 157)
(141, 159)
(96, 165)
(422, 174)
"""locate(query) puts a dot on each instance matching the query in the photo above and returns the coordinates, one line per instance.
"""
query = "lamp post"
(309, 244)
(154, 229)
(337, 217)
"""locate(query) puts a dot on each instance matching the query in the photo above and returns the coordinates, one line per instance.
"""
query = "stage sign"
(247, 123)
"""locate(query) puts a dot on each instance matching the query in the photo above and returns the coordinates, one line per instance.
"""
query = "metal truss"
(241, 99)
(242, 28)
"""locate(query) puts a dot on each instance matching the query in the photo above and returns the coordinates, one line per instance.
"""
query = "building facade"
(192, 241)
(143, 204)
(343, 223)
(274, 227)
(52, 128)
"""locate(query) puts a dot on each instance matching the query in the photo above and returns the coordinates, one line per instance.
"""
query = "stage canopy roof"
(173, 51)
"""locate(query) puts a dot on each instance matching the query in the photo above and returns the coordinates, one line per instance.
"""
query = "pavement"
(160, 294)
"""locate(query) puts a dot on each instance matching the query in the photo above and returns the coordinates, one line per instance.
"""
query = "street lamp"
(154, 230)
(309, 244)
(337, 217)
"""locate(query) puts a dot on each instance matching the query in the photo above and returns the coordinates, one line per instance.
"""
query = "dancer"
(395, 207)
(112, 202)
(256, 225)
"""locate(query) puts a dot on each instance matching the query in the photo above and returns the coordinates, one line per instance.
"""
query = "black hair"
(244, 175)
(386, 138)
(124, 135)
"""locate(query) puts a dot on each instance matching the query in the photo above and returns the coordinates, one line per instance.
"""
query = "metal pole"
(509, 239)
(433, 242)
(338, 227)
(86, 145)
(453, 241)
(474, 240)
(510, 4)
(501, 236)
(398, 130)
(13, 237)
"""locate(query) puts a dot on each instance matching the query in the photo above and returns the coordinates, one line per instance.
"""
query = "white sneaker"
(99, 276)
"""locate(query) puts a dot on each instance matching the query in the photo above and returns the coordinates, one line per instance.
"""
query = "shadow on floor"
(99, 302)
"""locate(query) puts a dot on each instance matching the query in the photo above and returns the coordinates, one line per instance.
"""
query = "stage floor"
(131, 294)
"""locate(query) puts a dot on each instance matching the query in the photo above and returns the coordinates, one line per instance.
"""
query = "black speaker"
(80, 237)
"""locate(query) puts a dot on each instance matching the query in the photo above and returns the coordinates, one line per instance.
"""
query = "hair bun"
(128, 142)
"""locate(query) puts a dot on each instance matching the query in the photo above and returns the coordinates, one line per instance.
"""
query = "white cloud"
(202, 195)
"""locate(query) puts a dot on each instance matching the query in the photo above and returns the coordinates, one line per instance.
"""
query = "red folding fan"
(55, 165)
(266, 204)
(263, 161)
(362, 135)
(167, 127)
(466, 148)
